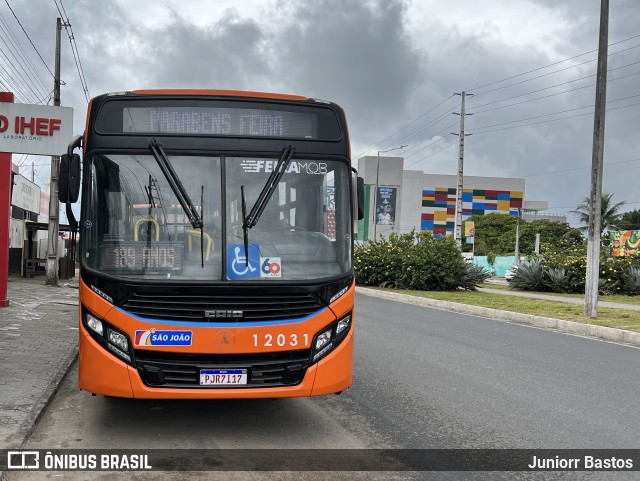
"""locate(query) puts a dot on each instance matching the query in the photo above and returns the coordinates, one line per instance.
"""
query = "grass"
(635, 300)
(608, 317)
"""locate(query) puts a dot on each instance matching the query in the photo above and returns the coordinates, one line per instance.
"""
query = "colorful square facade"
(439, 206)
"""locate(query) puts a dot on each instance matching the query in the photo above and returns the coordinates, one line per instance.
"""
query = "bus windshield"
(135, 227)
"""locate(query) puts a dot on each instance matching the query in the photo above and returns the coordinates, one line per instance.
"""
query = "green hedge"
(565, 271)
(416, 261)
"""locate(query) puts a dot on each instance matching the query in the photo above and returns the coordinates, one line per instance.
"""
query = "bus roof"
(220, 93)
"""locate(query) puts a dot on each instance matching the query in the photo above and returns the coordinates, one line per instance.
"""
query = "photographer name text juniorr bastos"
(586, 462)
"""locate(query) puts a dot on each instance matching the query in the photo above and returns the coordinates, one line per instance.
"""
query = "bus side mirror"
(69, 179)
(360, 192)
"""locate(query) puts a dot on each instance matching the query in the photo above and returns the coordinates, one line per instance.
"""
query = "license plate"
(223, 377)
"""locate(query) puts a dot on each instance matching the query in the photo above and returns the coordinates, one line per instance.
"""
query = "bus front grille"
(169, 370)
(195, 307)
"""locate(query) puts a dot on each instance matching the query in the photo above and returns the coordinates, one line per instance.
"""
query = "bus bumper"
(113, 377)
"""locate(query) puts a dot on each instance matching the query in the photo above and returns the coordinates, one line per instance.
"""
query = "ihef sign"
(35, 129)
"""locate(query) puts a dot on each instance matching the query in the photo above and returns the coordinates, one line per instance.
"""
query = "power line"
(413, 134)
(577, 168)
(74, 48)
(561, 84)
(15, 87)
(550, 65)
(47, 97)
(531, 100)
(506, 79)
(402, 128)
(553, 113)
(27, 82)
(454, 141)
(25, 32)
(551, 120)
(434, 122)
(422, 147)
(32, 72)
(557, 71)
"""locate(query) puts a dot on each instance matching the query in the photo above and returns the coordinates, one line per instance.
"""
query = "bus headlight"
(95, 324)
(343, 324)
(117, 339)
(108, 337)
(325, 341)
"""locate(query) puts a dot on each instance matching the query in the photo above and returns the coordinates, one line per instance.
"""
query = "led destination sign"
(217, 117)
(138, 256)
(219, 121)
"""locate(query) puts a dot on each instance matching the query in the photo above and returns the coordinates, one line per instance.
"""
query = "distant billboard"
(386, 206)
(469, 229)
(26, 194)
(625, 243)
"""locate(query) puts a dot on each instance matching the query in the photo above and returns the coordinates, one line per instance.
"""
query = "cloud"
(124, 55)
(387, 63)
(358, 54)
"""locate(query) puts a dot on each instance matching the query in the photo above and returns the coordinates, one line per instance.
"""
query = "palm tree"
(609, 217)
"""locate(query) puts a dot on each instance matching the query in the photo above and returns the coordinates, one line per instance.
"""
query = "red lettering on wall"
(54, 124)
(34, 126)
(4, 123)
(42, 126)
(31, 125)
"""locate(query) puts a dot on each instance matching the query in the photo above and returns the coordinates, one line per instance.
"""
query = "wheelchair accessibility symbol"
(237, 265)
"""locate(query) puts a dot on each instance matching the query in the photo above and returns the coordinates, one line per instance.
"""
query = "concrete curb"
(43, 402)
(26, 429)
(570, 327)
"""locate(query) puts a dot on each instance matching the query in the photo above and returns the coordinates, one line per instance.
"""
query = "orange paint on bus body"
(111, 376)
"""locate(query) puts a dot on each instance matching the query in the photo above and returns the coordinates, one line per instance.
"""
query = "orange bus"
(216, 245)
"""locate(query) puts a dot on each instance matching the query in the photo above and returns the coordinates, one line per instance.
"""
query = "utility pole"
(597, 161)
(517, 255)
(33, 171)
(458, 225)
(54, 206)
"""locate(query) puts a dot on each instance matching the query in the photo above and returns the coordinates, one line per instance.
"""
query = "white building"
(411, 199)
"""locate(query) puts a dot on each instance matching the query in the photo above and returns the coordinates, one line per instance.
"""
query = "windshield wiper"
(249, 221)
(269, 188)
(245, 230)
(175, 184)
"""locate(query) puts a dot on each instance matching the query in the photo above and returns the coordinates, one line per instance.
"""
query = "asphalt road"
(423, 378)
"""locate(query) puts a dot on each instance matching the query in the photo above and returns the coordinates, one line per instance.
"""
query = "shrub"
(574, 262)
(415, 261)
(631, 281)
(382, 260)
(530, 276)
(472, 276)
(432, 264)
(557, 280)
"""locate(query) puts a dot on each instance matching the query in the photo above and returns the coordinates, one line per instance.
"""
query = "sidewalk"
(570, 327)
(551, 297)
(38, 344)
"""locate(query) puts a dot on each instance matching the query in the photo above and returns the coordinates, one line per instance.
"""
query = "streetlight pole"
(375, 197)
(517, 256)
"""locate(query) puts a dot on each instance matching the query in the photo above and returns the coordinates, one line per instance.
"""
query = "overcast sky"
(388, 63)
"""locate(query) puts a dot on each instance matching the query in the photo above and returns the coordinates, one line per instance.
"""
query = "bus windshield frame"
(135, 228)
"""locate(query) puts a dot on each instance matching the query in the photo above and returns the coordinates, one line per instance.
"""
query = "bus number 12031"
(281, 340)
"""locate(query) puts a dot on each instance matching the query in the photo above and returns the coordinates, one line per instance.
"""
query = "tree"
(629, 220)
(610, 213)
(496, 233)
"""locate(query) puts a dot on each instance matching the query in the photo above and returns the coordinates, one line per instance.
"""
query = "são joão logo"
(155, 337)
